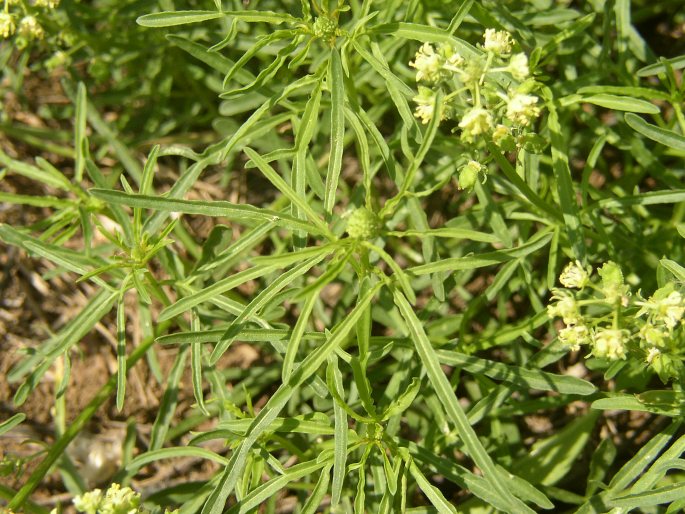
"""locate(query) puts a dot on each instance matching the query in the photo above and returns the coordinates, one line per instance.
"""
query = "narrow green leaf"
(338, 393)
(641, 92)
(121, 354)
(660, 135)
(54, 179)
(363, 152)
(261, 42)
(459, 16)
(524, 490)
(676, 63)
(80, 141)
(127, 159)
(402, 403)
(622, 103)
(196, 361)
(71, 334)
(173, 453)
(296, 338)
(447, 232)
(149, 172)
(425, 33)
(398, 90)
(602, 459)
(415, 163)
(12, 422)
(432, 493)
(675, 268)
(485, 259)
(336, 85)
(283, 260)
(236, 212)
(312, 504)
(312, 423)
(36, 201)
(213, 59)
(631, 402)
(516, 375)
(658, 496)
(173, 18)
(267, 73)
(339, 441)
(303, 137)
(577, 27)
(648, 198)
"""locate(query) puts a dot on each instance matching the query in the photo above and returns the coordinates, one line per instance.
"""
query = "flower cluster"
(363, 224)
(116, 500)
(487, 94)
(601, 312)
(24, 20)
(47, 4)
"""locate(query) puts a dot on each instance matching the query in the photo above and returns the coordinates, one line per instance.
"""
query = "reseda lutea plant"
(400, 305)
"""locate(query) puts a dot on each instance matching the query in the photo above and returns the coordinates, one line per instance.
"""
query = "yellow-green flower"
(48, 4)
(30, 28)
(7, 25)
(609, 344)
(521, 109)
(574, 276)
(518, 66)
(497, 41)
(475, 122)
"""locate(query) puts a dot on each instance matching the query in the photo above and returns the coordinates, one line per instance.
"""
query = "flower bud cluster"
(21, 20)
(482, 89)
(363, 224)
(116, 500)
(488, 95)
(600, 312)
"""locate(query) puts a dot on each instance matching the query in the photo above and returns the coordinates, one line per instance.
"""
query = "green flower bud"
(363, 224)
(325, 27)
(469, 175)
(612, 281)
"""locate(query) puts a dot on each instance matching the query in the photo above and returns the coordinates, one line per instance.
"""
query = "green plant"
(396, 277)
